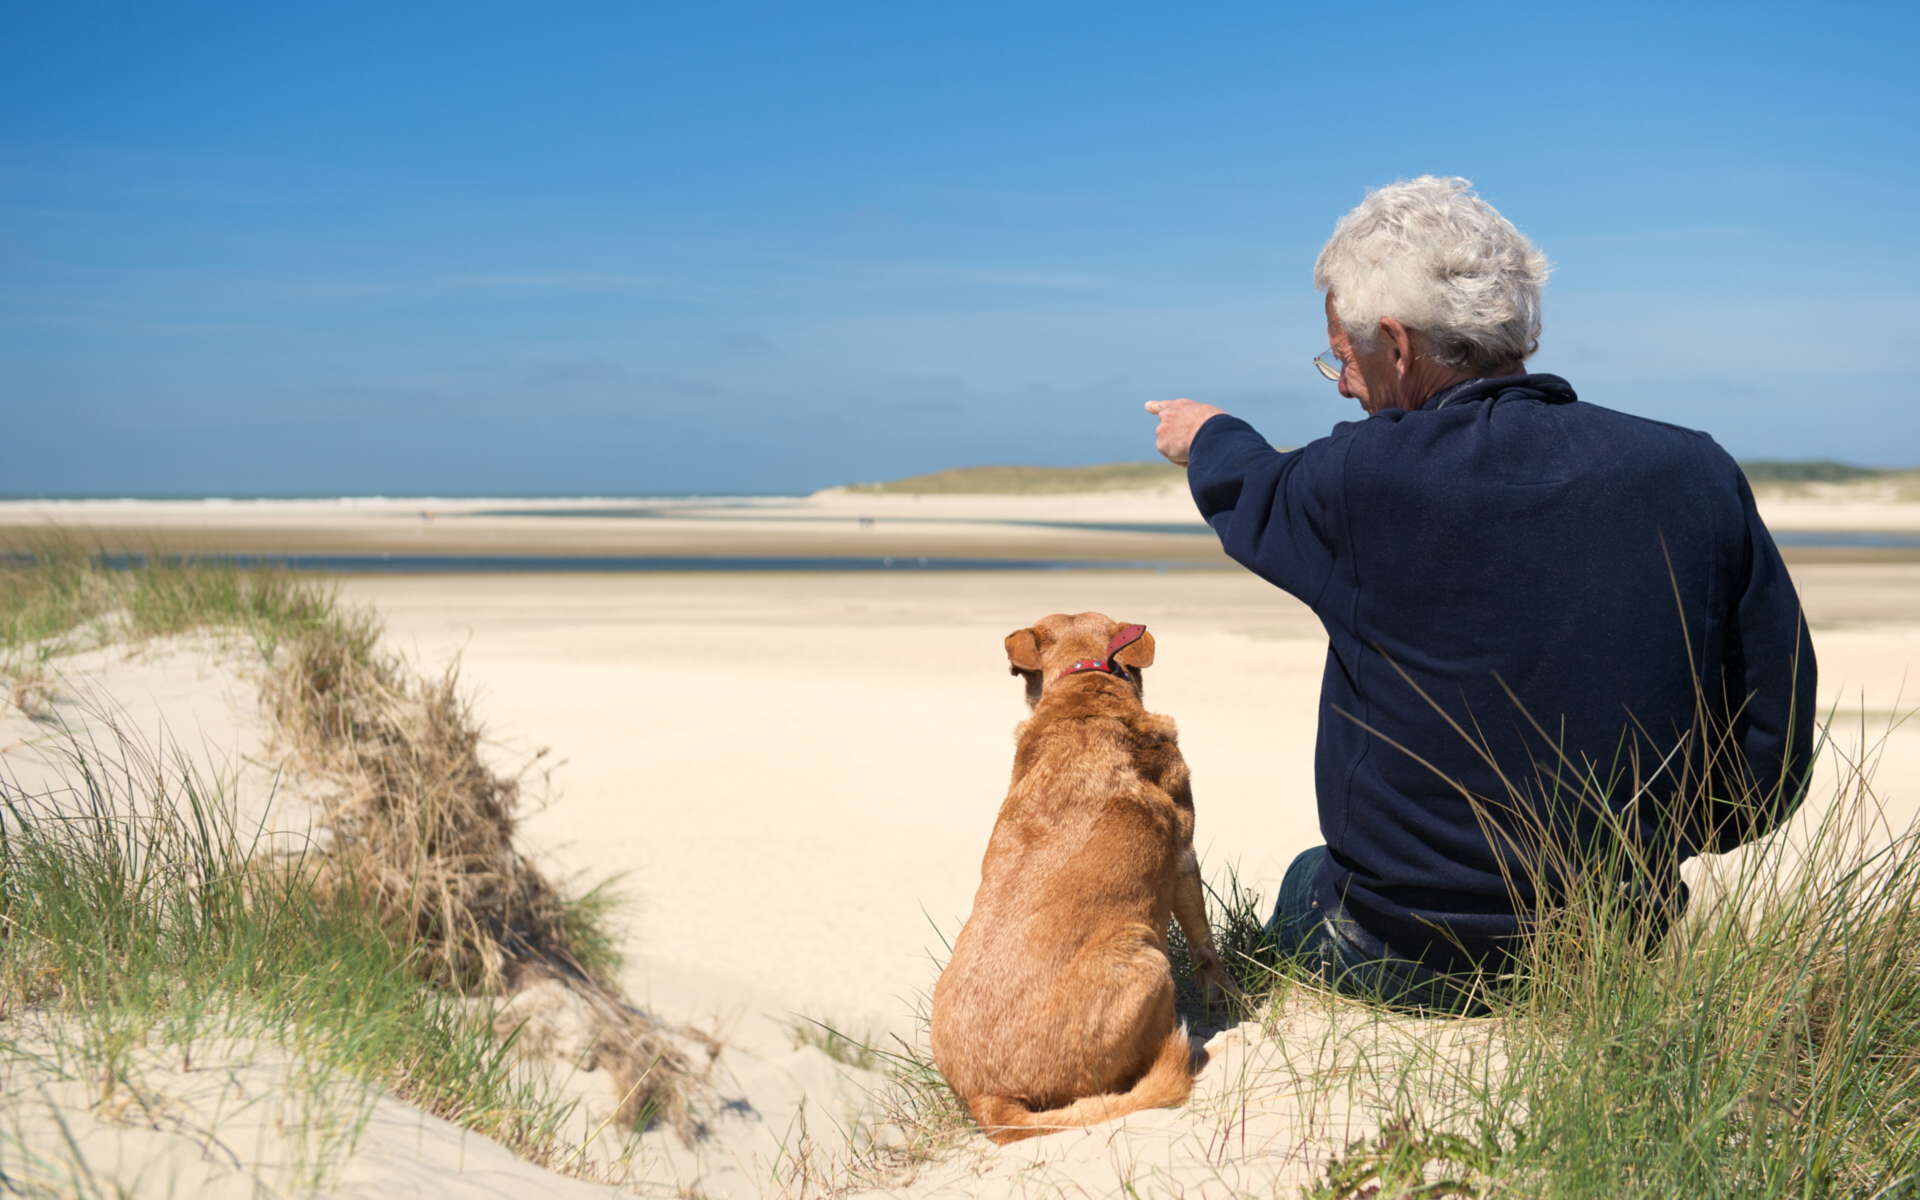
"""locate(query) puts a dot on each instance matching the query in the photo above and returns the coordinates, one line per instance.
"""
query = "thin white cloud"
(553, 281)
(920, 273)
(966, 275)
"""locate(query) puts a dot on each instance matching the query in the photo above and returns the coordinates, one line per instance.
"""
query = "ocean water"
(647, 512)
(1841, 538)
(509, 564)
(482, 564)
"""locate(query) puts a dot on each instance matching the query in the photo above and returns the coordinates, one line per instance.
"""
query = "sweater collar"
(1549, 389)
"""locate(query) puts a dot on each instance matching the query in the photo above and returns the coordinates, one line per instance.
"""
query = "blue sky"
(629, 248)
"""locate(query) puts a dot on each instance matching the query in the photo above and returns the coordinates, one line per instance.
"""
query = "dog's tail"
(1166, 1083)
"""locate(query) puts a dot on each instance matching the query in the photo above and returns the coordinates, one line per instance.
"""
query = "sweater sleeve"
(1770, 678)
(1272, 510)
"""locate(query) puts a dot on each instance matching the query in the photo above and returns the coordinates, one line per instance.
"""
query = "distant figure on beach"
(1560, 639)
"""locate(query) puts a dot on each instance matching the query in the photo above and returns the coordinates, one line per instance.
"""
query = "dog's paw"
(1217, 987)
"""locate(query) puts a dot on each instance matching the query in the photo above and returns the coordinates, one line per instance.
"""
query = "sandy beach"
(794, 773)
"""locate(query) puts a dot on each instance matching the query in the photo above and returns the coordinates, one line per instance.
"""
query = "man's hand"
(1180, 420)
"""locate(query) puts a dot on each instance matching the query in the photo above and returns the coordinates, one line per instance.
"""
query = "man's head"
(1427, 284)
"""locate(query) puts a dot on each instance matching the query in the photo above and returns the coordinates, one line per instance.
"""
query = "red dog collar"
(1128, 635)
(1087, 664)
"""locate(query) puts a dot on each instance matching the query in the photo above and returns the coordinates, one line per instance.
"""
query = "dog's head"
(1059, 645)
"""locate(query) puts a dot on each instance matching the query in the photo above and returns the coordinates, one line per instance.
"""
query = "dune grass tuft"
(418, 860)
(423, 824)
(916, 1118)
(851, 1050)
(1410, 1163)
(60, 594)
(913, 1119)
(426, 829)
(1769, 1046)
(135, 916)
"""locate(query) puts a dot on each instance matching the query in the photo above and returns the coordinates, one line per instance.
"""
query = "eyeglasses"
(1329, 364)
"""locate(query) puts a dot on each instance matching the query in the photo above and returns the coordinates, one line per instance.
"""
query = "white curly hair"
(1432, 254)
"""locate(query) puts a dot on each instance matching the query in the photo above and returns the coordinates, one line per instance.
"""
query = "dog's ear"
(1023, 651)
(1138, 653)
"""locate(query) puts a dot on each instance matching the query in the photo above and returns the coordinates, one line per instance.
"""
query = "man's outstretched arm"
(1271, 510)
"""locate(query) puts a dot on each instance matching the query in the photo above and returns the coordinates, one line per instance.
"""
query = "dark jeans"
(1353, 961)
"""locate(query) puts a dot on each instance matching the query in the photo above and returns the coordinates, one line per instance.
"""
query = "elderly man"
(1561, 641)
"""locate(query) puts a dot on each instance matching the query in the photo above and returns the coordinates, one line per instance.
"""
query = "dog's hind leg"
(1189, 904)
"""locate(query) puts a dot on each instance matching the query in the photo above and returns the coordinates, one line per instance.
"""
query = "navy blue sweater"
(1537, 610)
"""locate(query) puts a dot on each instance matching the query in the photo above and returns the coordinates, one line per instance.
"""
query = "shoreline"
(1154, 528)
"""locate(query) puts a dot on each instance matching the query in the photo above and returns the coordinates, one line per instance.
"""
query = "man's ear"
(1401, 339)
(1137, 654)
(1023, 651)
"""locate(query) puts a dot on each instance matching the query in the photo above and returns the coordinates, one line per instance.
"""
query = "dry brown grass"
(424, 828)
(29, 687)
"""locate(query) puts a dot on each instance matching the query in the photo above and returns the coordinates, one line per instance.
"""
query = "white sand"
(243, 1119)
(170, 706)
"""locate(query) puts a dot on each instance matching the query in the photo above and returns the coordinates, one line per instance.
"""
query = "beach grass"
(427, 830)
(58, 598)
(133, 912)
(1769, 1047)
(140, 926)
(914, 1118)
(859, 1051)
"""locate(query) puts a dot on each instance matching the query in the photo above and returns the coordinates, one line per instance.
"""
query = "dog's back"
(1056, 1008)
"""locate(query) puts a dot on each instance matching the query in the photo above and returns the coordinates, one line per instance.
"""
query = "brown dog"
(1056, 1009)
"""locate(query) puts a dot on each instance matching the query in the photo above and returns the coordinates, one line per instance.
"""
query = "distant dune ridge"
(1128, 476)
(1812, 470)
(1029, 481)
